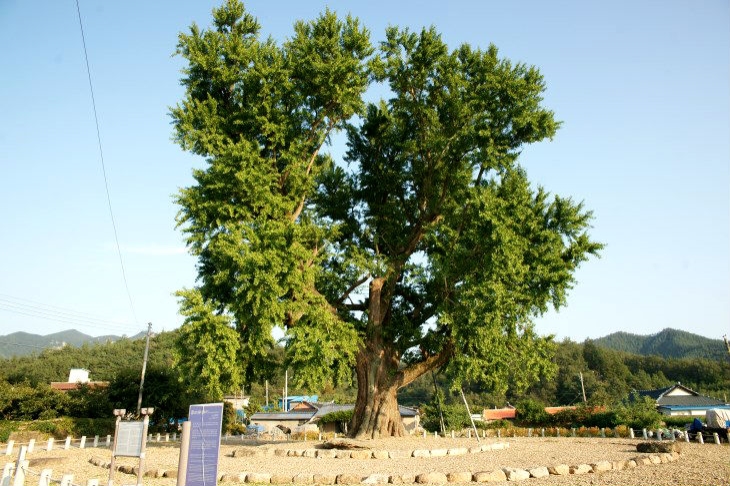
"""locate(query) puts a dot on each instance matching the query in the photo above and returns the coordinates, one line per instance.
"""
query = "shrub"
(7, 428)
(638, 412)
(455, 417)
(495, 424)
(679, 421)
(531, 412)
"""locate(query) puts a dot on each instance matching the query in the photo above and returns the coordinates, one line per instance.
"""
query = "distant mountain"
(669, 343)
(23, 343)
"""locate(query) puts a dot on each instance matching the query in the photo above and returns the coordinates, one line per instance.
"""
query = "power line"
(103, 167)
(31, 308)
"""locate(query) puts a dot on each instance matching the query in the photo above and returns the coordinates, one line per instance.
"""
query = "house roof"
(554, 410)
(321, 409)
(282, 416)
(665, 399)
(498, 413)
(65, 386)
(659, 393)
(336, 407)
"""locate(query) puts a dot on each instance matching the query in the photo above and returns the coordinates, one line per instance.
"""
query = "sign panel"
(129, 440)
(205, 441)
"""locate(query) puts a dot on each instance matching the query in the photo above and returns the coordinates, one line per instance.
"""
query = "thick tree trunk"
(376, 409)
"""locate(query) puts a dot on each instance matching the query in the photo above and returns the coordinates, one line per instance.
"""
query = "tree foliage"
(207, 349)
(430, 248)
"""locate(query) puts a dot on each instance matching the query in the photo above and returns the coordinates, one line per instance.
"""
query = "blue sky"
(642, 88)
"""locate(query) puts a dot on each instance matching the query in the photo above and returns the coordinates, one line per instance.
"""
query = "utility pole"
(582, 387)
(144, 368)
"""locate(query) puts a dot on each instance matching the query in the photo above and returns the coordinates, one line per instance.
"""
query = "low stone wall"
(496, 475)
(379, 453)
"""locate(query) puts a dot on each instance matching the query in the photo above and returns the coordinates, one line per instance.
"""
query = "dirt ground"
(697, 464)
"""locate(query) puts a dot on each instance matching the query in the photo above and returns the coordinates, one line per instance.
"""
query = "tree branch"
(352, 288)
(409, 375)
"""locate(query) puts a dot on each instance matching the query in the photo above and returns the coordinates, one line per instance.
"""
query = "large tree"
(427, 248)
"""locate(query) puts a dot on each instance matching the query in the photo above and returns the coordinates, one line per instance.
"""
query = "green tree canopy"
(428, 248)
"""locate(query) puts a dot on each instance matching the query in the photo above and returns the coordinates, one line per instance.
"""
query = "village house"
(77, 377)
(679, 400)
(305, 413)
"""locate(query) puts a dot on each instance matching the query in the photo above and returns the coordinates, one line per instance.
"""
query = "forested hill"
(669, 343)
(24, 343)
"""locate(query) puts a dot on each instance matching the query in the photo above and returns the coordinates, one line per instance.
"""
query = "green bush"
(339, 416)
(531, 412)
(495, 424)
(6, 428)
(74, 427)
(679, 421)
(638, 413)
(455, 417)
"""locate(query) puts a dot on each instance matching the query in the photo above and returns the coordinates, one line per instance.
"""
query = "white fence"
(18, 474)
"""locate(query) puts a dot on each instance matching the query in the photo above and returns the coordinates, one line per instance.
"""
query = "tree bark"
(376, 409)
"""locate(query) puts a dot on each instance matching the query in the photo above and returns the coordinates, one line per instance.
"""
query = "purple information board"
(205, 442)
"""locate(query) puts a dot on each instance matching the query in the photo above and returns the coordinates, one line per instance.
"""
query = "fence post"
(659, 434)
(542, 432)
(9, 449)
(45, 478)
(700, 437)
(631, 433)
(49, 447)
(7, 473)
(646, 436)
(159, 436)
(96, 441)
(67, 445)
(108, 440)
(67, 480)
(529, 432)
(686, 436)
(557, 432)
(82, 444)
(572, 431)
(167, 437)
(717, 438)
(174, 436)
(603, 433)
(20, 473)
(499, 433)
(31, 446)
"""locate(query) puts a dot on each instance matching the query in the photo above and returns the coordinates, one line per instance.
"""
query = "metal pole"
(182, 464)
(144, 367)
(583, 388)
(469, 413)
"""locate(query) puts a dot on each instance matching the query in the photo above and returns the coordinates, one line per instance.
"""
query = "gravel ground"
(698, 464)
